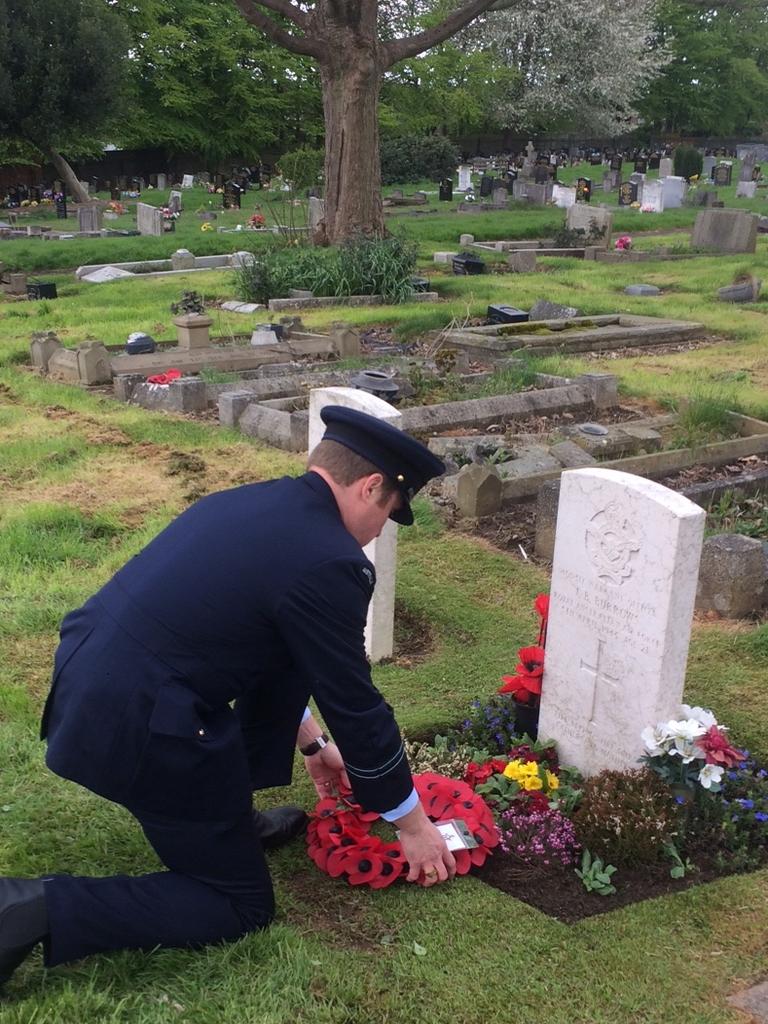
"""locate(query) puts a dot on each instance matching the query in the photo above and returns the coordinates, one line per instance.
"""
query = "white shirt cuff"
(407, 805)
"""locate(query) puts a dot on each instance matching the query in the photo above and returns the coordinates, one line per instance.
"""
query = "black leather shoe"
(279, 826)
(23, 921)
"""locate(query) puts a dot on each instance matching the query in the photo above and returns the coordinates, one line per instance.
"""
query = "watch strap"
(315, 746)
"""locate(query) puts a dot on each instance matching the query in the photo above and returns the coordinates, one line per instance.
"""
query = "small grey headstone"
(642, 289)
(731, 576)
(544, 310)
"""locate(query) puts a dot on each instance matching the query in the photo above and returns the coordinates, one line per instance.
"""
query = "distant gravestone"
(541, 174)
(486, 186)
(621, 604)
(499, 198)
(654, 161)
(747, 166)
(162, 181)
(746, 190)
(725, 231)
(539, 195)
(175, 201)
(673, 190)
(617, 162)
(627, 193)
(708, 166)
(465, 178)
(231, 197)
(583, 190)
(149, 219)
(641, 165)
(316, 213)
(446, 190)
(653, 197)
(595, 223)
(188, 181)
(543, 309)
(89, 218)
(666, 167)
(563, 196)
(379, 631)
(61, 205)
(721, 175)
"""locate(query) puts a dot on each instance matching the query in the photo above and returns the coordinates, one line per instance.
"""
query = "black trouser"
(217, 888)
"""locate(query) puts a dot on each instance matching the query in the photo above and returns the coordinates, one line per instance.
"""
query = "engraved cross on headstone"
(601, 678)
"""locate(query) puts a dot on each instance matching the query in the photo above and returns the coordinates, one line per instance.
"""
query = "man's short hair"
(346, 466)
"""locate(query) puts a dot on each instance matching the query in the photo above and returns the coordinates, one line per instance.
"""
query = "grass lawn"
(85, 482)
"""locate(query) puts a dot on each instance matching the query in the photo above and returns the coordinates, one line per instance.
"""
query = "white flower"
(687, 729)
(710, 773)
(656, 739)
(702, 715)
(686, 749)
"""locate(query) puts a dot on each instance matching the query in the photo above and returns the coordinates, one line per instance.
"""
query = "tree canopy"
(717, 80)
(205, 81)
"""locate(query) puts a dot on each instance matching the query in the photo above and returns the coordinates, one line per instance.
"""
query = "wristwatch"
(315, 746)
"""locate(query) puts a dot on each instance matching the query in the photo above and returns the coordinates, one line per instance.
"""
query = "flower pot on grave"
(193, 330)
(527, 718)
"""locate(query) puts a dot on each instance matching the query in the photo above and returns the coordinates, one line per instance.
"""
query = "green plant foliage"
(688, 161)
(627, 817)
(302, 167)
(360, 267)
(442, 757)
(596, 876)
(417, 157)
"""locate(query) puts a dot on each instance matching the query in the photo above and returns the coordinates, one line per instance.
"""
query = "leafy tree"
(354, 43)
(62, 78)
(586, 72)
(717, 80)
(205, 81)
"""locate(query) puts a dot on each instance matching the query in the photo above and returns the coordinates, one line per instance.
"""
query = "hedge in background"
(418, 157)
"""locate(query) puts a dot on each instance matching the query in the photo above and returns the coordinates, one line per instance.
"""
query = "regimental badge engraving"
(611, 544)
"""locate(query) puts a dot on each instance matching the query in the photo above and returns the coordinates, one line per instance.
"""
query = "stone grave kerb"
(379, 629)
(623, 589)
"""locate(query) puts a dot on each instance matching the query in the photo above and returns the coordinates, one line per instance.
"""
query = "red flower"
(541, 605)
(718, 750)
(476, 774)
(531, 661)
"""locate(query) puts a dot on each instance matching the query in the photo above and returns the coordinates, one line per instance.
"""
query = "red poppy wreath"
(340, 842)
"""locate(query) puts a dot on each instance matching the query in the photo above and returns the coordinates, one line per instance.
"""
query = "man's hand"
(424, 848)
(327, 771)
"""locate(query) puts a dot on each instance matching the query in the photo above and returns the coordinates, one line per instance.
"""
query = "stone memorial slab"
(725, 231)
(89, 218)
(106, 274)
(316, 213)
(188, 181)
(379, 630)
(465, 178)
(746, 190)
(162, 181)
(653, 197)
(721, 175)
(624, 579)
(149, 219)
(673, 191)
(175, 201)
(563, 196)
(595, 222)
(708, 166)
(666, 167)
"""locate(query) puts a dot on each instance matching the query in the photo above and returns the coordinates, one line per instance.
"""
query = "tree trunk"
(68, 176)
(352, 168)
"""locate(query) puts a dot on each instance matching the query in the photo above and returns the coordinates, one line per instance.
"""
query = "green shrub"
(302, 167)
(626, 817)
(418, 157)
(688, 162)
(361, 267)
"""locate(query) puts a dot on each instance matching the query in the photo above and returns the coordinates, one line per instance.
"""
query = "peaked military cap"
(405, 461)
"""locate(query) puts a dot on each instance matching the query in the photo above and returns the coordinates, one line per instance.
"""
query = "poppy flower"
(363, 866)
(541, 605)
(717, 749)
(390, 872)
(531, 661)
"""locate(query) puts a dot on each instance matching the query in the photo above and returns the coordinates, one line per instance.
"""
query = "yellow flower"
(552, 781)
(532, 782)
(206, 227)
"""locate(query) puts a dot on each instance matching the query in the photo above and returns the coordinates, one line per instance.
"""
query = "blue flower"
(761, 816)
(746, 804)
(680, 800)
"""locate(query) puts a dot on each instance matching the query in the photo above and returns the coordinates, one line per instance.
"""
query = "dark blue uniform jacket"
(179, 687)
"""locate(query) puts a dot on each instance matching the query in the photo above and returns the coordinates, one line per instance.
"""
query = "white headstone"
(653, 197)
(188, 181)
(379, 630)
(623, 589)
(563, 196)
(709, 163)
(316, 213)
(666, 167)
(149, 219)
(465, 178)
(673, 191)
(175, 201)
(162, 181)
(746, 190)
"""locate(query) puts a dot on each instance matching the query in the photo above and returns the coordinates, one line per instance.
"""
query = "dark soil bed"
(561, 894)
(414, 639)
(713, 474)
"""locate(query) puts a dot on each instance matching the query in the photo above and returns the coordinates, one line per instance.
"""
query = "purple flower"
(746, 804)
(761, 816)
